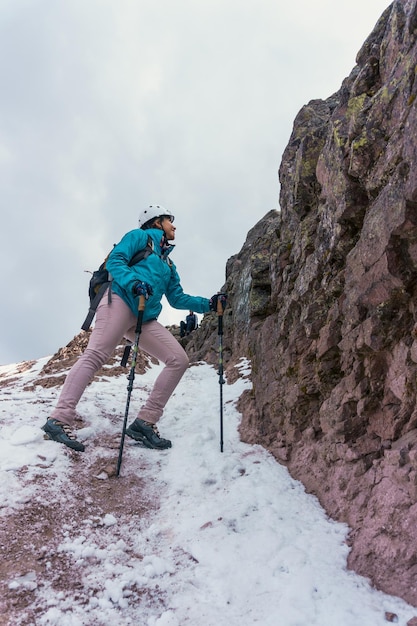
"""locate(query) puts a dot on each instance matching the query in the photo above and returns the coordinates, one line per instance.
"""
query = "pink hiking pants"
(114, 321)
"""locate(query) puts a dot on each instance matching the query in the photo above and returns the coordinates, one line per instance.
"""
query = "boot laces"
(67, 430)
(155, 430)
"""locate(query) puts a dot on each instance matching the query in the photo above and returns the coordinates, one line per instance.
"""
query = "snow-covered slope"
(187, 536)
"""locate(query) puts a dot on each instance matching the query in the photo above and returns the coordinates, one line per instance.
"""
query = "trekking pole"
(131, 377)
(221, 378)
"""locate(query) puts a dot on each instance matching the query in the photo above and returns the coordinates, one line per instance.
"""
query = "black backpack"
(101, 279)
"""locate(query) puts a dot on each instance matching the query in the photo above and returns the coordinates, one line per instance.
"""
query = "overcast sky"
(107, 106)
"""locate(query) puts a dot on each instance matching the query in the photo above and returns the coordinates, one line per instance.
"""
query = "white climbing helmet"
(153, 211)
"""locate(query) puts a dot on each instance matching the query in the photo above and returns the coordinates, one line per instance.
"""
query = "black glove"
(142, 289)
(218, 297)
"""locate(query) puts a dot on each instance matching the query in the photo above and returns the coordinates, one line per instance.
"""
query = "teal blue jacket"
(156, 270)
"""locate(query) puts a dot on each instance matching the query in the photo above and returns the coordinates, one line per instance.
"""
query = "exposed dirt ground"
(30, 536)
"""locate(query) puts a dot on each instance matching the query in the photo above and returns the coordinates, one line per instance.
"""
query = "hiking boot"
(148, 434)
(58, 431)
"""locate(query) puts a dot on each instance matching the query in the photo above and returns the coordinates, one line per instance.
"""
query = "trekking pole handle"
(141, 308)
(220, 316)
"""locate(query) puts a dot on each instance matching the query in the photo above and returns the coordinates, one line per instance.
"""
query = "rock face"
(323, 301)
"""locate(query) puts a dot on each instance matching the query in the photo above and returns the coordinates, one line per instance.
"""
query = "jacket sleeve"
(118, 261)
(180, 300)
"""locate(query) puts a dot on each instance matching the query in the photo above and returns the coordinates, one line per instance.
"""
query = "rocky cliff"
(323, 300)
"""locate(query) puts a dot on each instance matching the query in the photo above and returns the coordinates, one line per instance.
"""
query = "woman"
(116, 317)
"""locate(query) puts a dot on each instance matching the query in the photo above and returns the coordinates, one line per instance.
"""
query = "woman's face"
(168, 228)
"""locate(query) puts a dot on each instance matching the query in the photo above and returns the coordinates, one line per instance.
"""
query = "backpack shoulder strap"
(144, 253)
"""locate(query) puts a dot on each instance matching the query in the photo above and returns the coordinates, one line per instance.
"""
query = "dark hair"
(150, 223)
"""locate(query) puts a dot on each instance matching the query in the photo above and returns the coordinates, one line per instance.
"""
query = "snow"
(234, 540)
